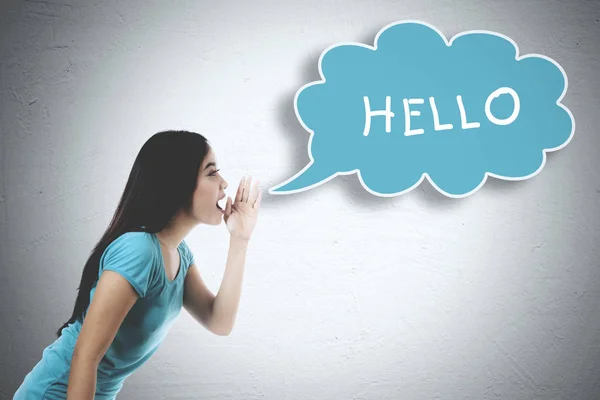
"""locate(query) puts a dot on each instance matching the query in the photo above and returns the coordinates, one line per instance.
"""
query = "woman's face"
(209, 190)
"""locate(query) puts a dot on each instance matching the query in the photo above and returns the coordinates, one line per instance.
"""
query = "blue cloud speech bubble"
(417, 105)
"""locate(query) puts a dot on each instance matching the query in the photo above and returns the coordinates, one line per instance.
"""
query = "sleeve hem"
(131, 281)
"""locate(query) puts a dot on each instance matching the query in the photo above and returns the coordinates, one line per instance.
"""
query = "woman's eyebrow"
(210, 164)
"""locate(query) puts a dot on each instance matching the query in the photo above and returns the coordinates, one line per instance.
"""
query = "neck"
(173, 234)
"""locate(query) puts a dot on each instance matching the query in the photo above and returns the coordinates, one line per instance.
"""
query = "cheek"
(202, 202)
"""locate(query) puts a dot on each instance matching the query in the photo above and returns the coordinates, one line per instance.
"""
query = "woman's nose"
(225, 184)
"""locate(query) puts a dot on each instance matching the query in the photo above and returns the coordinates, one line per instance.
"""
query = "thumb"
(228, 207)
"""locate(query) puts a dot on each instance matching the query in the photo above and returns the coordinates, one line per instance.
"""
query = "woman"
(141, 273)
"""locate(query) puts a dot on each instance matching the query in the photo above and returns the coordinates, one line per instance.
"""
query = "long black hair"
(161, 183)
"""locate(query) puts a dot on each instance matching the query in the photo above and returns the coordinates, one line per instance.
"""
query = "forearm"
(227, 300)
(82, 379)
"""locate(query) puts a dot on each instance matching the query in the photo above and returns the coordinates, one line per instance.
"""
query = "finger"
(254, 193)
(258, 200)
(227, 209)
(238, 195)
(228, 206)
(246, 189)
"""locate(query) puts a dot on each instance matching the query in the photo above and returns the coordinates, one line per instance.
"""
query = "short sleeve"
(132, 256)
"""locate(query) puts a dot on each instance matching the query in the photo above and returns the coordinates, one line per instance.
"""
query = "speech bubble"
(417, 105)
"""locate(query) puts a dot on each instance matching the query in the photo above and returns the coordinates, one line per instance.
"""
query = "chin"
(218, 220)
(214, 218)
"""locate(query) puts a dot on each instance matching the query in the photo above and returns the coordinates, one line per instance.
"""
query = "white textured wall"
(346, 295)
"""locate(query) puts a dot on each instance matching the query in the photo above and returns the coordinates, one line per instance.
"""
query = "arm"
(217, 313)
(112, 300)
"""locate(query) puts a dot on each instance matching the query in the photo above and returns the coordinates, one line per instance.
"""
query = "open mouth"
(219, 206)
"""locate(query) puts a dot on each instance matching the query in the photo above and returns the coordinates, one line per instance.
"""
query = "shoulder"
(132, 255)
(132, 242)
(143, 239)
(129, 246)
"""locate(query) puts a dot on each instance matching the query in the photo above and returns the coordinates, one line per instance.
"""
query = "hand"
(240, 217)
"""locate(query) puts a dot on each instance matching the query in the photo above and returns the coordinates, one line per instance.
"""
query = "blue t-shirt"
(137, 256)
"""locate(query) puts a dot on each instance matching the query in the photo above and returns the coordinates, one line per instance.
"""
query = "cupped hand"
(241, 214)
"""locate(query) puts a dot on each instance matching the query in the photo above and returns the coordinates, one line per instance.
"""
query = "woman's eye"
(214, 172)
